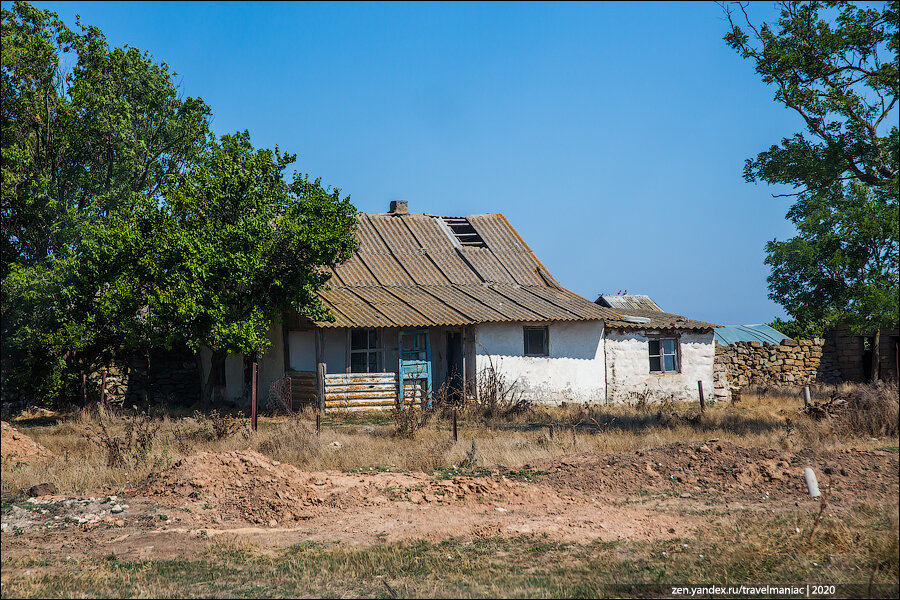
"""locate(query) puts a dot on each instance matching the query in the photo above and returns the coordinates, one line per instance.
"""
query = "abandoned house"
(431, 303)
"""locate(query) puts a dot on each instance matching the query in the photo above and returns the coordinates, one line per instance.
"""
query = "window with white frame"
(366, 351)
(537, 341)
(664, 355)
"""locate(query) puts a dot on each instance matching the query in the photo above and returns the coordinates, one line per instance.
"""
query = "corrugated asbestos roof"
(410, 272)
(656, 320)
(628, 301)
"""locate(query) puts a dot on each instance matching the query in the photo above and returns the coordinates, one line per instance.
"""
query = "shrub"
(132, 445)
(409, 420)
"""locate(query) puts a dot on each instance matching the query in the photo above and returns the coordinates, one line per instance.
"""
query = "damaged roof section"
(628, 302)
(419, 270)
(655, 319)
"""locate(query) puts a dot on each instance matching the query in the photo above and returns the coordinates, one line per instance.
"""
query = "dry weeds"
(348, 441)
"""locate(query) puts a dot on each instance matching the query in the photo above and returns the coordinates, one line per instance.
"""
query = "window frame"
(662, 354)
(378, 349)
(546, 330)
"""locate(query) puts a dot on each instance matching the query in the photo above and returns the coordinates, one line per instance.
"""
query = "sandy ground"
(662, 493)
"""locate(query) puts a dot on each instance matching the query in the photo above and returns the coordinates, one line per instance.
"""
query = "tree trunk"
(876, 354)
(213, 387)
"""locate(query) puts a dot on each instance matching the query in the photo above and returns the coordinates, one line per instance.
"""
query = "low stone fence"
(791, 363)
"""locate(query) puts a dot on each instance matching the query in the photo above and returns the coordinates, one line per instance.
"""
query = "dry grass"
(859, 552)
(361, 440)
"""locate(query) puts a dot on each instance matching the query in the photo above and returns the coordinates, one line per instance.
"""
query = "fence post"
(253, 379)
(805, 396)
(702, 399)
(83, 389)
(455, 436)
(103, 389)
(318, 423)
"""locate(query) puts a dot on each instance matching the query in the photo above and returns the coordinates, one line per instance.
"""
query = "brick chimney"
(399, 207)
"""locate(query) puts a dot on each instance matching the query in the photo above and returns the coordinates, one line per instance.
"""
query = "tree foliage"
(835, 64)
(127, 225)
(244, 245)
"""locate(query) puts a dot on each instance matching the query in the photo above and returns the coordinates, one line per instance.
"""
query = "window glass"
(670, 363)
(663, 354)
(365, 351)
(358, 362)
(536, 341)
(668, 346)
(358, 339)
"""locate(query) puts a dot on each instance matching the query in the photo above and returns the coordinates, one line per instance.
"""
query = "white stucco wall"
(574, 371)
(628, 367)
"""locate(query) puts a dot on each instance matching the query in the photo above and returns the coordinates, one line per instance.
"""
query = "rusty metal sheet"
(509, 310)
(486, 265)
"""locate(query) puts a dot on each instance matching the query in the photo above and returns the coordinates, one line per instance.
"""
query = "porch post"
(286, 347)
(320, 368)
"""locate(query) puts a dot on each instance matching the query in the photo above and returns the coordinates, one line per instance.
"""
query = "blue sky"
(612, 135)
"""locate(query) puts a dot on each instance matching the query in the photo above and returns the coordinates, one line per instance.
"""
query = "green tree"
(84, 155)
(835, 64)
(242, 247)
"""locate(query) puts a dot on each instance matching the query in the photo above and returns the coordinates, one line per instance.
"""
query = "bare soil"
(18, 447)
(657, 494)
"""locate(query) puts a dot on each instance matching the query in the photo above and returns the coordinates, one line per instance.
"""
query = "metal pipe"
(253, 376)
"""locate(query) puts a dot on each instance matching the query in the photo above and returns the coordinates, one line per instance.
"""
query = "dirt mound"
(715, 466)
(248, 486)
(16, 446)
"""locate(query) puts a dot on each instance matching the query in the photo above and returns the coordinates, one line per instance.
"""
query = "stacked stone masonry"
(168, 377)
(791, 363)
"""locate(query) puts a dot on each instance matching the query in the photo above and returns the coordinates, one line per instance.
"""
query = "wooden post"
(253, 378)
(702, 399)
(83, 389)
(318, 423)
(805, 396)
(320, 368)
(103, 389)
(455, 436)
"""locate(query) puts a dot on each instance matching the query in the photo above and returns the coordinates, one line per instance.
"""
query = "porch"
(376, 368)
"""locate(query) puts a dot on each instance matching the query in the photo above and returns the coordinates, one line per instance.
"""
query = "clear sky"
(611, 135)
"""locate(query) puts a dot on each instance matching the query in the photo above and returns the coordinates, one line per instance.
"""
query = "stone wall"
(791, 363)
(168, 377)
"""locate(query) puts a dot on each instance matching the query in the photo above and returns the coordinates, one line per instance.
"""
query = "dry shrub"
(409, 420)
(872, 410)
(128, 443)
(497, 397)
